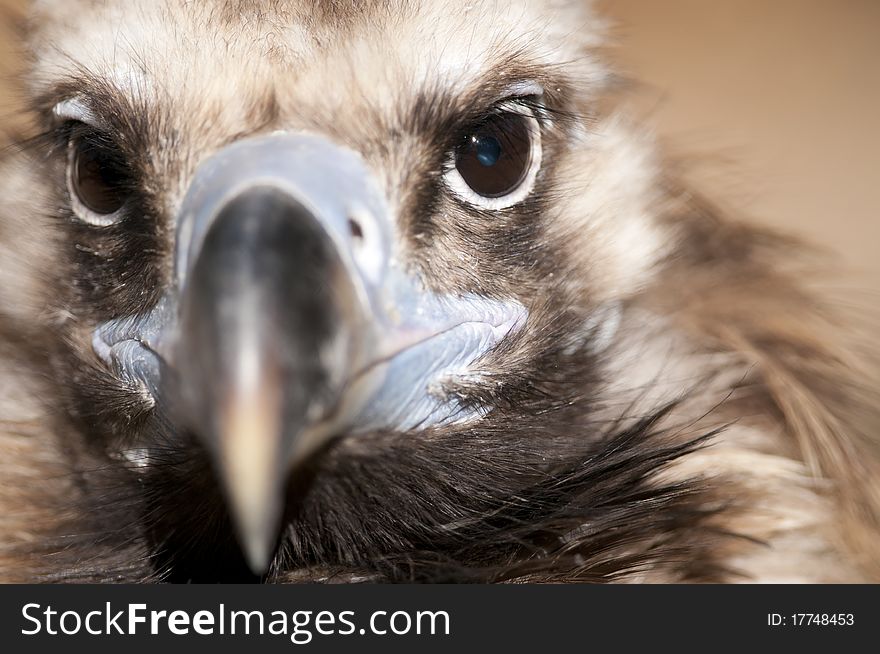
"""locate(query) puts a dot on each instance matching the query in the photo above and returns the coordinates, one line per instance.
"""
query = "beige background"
(776, 103)
(10, 11)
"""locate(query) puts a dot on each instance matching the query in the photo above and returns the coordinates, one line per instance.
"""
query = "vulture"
(396, 291)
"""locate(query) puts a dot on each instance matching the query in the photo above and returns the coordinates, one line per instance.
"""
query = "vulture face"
(343, 290)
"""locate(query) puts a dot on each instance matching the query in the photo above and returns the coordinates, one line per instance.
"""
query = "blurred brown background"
(778, 101)
(777, 104)
(10, 11)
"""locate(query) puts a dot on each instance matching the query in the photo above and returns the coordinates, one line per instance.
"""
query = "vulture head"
(385, 290)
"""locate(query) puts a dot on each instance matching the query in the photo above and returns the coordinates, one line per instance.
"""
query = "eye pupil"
(96, 179)
(487, 149)
(494, 159)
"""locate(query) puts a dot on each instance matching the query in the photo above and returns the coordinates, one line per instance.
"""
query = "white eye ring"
(80, 210)
(457, 184)
(75, 110)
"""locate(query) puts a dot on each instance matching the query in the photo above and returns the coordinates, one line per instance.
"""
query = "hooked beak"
(291, 320)
(269, 327)
(275, 313)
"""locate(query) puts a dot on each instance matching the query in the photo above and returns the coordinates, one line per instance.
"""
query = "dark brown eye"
(97, 177)
(496, 156)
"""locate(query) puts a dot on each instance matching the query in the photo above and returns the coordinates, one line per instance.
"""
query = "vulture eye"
(494, 166)
(96, 177)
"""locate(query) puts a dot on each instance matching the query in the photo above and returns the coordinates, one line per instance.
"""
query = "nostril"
(367, 245)
(354, 227)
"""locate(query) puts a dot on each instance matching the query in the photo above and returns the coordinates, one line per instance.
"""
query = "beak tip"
(248, 464)
(258, 552)
(257, 529)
